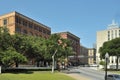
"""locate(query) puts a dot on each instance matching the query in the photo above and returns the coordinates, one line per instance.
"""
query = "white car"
(113, 77)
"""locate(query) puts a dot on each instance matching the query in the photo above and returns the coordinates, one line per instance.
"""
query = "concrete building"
(112, 32)
(18, 23)
(75, 45)
(91, 56)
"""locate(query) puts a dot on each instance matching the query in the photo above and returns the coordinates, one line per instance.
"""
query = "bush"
(102, 63)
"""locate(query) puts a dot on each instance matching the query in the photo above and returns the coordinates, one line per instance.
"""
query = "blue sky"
(83, 18)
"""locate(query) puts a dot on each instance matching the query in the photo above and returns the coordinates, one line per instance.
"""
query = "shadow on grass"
(23, 71)
(28, 72)
(17, 71)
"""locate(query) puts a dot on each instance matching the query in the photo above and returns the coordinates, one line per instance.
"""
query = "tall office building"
(112, 32)
(18, 23)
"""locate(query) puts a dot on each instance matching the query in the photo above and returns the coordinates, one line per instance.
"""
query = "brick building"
(75, 45)
(18, 23)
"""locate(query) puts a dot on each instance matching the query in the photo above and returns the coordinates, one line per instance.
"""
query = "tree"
(112, 47)
(29, 46)
(21, 43)
(8, 54)
(18, 47)
(5, 38)
(17, 57)
(57, 48)
(35, 50)
(11, 57)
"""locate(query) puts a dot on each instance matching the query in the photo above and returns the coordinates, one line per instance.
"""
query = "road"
(92, 74)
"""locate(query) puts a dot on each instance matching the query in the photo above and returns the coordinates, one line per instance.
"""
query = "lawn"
(36, 75)
(115, 72)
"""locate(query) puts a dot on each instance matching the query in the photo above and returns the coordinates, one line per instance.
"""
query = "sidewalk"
(77, 76)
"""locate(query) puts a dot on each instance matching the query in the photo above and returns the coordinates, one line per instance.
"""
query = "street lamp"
(106, 61)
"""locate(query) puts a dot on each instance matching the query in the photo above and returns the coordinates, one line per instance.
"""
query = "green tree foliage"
(35, 50)
(55, 42)
(63, 47)
(16, 49)
(29, 46)
(19, 43)
(102, 63)
(8, 54)
(11, 57)
(5, 38)
(112, 47)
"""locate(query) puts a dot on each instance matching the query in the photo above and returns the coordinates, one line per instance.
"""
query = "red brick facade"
(18, 23)
(75, 45)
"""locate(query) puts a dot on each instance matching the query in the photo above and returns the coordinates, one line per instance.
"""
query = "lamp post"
(106, 61)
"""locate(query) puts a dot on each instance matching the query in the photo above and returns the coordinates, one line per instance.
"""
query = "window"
(19, 20)
(5, 22)
(36, 27)
(16, 19)
(30, 25)
(44, 31)
(40, 29)
(112, 61)
(48, 32)
(24, 23)
(24, 31)
(17, 29)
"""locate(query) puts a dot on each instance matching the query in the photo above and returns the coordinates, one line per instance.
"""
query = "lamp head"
(106, 55)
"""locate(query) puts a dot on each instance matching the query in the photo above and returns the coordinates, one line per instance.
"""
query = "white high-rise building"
(113, 31)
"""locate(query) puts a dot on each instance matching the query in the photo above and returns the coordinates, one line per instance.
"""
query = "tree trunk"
(53, 61)
(38, 64)
(16, 64)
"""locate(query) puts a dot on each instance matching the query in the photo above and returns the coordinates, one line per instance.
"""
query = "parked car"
(113, 77)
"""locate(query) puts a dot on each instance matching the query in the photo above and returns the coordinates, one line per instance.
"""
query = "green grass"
(37, 75)
(115, 72)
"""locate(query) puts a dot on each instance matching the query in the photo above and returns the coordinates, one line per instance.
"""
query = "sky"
(82, 18)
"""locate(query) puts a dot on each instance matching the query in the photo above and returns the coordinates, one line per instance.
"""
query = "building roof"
(67, 32)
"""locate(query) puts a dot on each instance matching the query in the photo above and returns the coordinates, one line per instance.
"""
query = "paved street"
(91, 73)
(88, 73)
